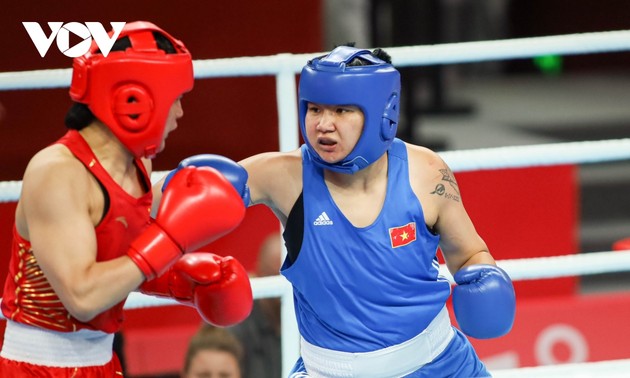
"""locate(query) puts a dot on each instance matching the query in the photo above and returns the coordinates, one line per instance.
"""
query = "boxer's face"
(176, 112)
(333, 130)
(213, 363)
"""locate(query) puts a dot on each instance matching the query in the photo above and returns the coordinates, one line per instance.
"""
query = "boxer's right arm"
(198, 206)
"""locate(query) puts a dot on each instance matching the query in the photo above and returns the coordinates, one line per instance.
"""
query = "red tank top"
(28, 297)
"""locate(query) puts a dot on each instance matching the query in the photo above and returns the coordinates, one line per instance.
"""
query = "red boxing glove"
(199, 206)
(228, 301)
(218, 287)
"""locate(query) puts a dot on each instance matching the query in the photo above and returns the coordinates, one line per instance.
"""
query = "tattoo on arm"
(448, 176)
(440, 189)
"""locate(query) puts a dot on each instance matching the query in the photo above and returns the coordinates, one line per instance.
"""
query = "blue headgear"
(374, 88)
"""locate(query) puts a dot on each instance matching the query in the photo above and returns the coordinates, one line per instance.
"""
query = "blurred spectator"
(213, 353)
(260, 333)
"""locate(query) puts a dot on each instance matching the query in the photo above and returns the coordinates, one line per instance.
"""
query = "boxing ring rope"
(448, 53)
(481, 159)
(285, 66)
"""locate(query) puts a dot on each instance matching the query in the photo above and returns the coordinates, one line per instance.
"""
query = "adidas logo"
(323, 220)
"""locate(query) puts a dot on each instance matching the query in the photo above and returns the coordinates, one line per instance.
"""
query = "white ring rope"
(284, 66)
(262, 287)
(448, 53)
(518, 269)
(482, 158)
(584, 264)
(538, 155)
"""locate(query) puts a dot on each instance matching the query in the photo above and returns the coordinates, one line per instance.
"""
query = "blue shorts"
(459, 359)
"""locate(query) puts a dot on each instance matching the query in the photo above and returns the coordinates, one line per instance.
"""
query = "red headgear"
(132, 91)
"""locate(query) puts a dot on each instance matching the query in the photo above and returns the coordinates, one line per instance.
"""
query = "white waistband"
(40, 346)
(391, 362)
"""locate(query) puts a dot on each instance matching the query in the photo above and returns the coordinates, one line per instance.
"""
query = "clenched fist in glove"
(199, 206)
(218, 287)
(484, 301)
(232, 171)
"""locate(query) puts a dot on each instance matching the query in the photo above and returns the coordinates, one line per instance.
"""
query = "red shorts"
(19, 369)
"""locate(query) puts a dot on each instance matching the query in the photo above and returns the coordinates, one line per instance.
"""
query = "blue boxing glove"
(232, 171)
(484, 301)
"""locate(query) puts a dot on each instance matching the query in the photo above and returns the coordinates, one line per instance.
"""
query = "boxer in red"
(84, 237)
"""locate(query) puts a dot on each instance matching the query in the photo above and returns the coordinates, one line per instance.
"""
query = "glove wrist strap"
(154, 252)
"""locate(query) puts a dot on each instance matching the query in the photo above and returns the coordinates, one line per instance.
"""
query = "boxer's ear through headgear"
(390, 117)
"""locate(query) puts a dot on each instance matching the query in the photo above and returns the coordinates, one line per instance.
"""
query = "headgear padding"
(374, 88)
(132, 91)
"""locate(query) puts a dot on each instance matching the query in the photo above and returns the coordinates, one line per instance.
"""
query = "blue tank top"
(361, 289)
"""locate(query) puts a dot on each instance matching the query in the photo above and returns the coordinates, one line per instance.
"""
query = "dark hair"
(79, 115)
(378, 53)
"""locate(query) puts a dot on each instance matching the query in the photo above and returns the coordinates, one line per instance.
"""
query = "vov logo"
(61, 33)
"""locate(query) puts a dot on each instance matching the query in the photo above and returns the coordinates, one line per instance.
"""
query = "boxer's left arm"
(483, 300)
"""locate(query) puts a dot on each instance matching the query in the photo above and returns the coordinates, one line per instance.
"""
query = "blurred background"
(548, 99)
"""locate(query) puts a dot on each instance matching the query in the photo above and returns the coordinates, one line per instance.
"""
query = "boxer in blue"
(364, 214)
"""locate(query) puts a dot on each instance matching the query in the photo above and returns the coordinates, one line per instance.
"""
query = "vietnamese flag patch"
(403, 235)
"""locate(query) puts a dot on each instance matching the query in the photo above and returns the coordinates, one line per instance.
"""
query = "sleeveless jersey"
(362, 289)
(28, 297)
